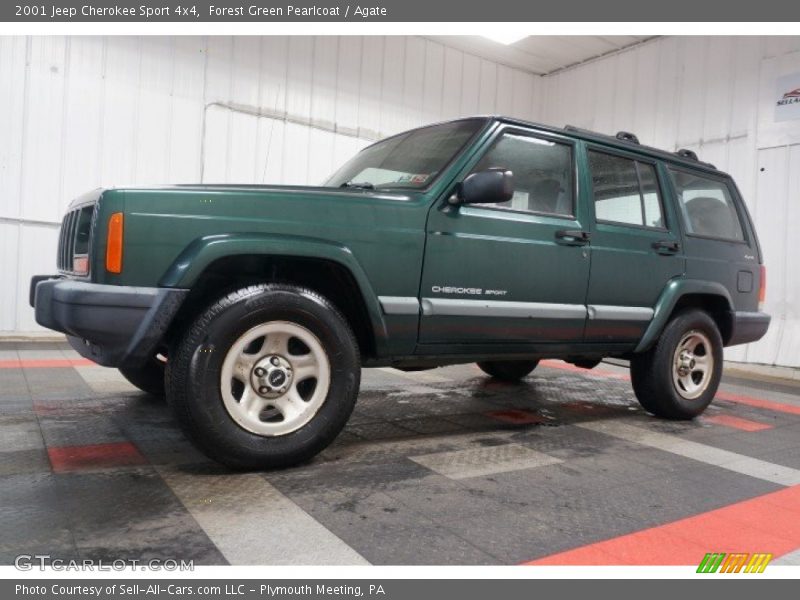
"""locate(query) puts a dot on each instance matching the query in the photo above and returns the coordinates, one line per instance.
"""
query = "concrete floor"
(437, 467)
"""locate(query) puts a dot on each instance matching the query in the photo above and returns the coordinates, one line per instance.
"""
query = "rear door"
(636, 245)
(512, 273)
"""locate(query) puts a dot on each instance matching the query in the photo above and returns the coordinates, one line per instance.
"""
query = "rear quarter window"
(707, 206)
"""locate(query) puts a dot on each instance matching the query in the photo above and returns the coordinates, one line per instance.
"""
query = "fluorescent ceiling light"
(506, 37)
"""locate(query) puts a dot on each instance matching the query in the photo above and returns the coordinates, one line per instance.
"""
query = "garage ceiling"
(540, 54)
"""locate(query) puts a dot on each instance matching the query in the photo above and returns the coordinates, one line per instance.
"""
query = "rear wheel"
(679, 376)
(149, 377)
(266, 377)
(508, 370)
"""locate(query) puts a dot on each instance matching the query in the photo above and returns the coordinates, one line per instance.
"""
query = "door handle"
(666, 247)
(572, 237)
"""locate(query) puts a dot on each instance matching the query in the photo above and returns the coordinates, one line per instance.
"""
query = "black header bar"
(440, 11)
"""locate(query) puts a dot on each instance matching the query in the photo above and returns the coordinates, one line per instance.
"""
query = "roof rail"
(627, 136)
(623, 136)
(686, 153)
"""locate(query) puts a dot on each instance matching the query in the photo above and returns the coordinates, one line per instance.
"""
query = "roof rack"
(626, 136)
(622, 136)
(686, 153)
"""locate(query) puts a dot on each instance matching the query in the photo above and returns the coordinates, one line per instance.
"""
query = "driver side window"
(542, 174)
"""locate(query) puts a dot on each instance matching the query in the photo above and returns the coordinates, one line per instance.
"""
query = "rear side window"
(707, 206)
(625, 191)
(542, 173)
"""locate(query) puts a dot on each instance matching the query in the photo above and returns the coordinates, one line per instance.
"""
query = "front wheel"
(679, 376)
(508, 370)
(266, 377)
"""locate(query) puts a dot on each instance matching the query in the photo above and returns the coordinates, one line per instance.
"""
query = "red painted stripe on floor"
(768, 523)
(95, 456)
(515, 416)
(721, 395)
(759, 403)
(41, 363)
(736, 423)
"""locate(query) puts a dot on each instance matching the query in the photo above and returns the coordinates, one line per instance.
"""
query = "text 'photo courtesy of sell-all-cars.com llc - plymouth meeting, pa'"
(488, 240)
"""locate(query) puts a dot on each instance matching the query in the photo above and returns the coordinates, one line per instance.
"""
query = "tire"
(149, 377)
(228, 359)
(679, 376)
(508, 370)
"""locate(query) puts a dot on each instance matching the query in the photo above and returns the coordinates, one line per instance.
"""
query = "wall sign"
(779, 101)
(787, 97)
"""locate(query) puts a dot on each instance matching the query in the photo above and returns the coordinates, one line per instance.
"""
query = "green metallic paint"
(626, 270)
(202, 252)
(471, 246)
(400, 244)
(665, 304)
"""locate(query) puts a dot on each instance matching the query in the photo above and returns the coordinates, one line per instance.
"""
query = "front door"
(511, 273)
(635, 245)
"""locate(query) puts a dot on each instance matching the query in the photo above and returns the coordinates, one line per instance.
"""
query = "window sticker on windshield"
(413, 178)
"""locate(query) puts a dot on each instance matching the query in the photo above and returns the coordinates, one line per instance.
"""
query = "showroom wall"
(87, 112)
(95, 111)
(717, 96)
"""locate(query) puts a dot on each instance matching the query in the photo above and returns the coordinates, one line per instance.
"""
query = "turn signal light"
(762, 288)
(114, 244)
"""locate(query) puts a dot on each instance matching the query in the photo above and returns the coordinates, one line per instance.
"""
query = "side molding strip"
(399, 305)
(499, 308)
(408, 305)
(620, 313)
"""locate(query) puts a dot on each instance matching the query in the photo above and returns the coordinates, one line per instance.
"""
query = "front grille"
(74, 238)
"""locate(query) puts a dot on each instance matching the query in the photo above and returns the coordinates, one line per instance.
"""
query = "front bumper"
(114, 326)
(748, 327)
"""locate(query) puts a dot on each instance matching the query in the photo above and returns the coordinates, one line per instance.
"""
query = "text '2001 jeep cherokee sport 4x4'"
(483, 239)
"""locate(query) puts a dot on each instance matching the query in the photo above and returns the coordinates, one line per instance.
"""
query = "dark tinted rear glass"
(707, 206)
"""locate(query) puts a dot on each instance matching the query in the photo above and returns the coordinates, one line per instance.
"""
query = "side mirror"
(485, 187)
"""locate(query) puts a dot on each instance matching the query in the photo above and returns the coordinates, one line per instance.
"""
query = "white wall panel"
(187, 109)
(504, 92)
(43, 120)
(120, 111)
(451, 83)
(432, 84)
(392, 83)
(323, 93)
(348, 78)
(269, 153)
(83, 126)
(413, 70)
(470, 85)
(37, 247)
(487, 87)
(9, 247)
(13, 53)
(369, 98)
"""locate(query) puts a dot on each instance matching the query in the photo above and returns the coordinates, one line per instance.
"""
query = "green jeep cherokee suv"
(253, 308)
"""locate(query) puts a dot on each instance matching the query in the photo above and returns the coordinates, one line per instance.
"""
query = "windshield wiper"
(364, 185)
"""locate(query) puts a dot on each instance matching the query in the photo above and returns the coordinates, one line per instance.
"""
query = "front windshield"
(409, 160)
